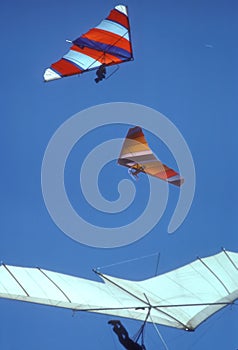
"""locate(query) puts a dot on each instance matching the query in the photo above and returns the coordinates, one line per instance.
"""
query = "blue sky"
(186, 68)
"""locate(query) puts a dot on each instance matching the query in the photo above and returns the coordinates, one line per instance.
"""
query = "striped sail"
(108, 43)
(137, 155)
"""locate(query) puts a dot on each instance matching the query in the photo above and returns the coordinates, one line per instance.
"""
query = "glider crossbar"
(99, 57)
(195, 304)
(141, 300)
(149, 307)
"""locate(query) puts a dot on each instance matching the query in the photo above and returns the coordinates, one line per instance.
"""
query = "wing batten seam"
(12, 275)
(230, 259)
(213, 273)
(55, 284)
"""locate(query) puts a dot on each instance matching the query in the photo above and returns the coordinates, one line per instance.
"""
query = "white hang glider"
(182, 298)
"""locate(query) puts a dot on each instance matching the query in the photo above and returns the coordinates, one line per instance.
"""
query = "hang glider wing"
(109, 43)
(137, 156)
(182, 298)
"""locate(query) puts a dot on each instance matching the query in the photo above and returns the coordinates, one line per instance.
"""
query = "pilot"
(123, 336)
(101, 73)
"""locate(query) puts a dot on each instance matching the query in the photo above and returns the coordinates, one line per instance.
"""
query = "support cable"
(160, 335)
(126, 261)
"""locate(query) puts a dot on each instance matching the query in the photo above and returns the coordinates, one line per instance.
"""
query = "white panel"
(174, 178)
(83, 61)
(225, 270)
(8, 284)
(113, 28)
(191, 284)
(136, 154)
(50, 75)
(122, 9)
(81, 291)
(36, 284)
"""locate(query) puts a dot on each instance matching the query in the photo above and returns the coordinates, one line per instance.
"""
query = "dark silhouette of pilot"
(134, 171)
(101, 73)
(123, 336)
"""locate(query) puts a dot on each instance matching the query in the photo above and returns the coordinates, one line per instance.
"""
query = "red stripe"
(104, 37)
(65, 68)
(140, 139)
(167, 173)
(119, 18)
(97, 55)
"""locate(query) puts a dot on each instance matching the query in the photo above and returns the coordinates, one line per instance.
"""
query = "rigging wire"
(126, 261)
(115, 70)
(114, 342)
(206, 329)
(160, 335)
(157, 265)
(102, 56)
(141, 331)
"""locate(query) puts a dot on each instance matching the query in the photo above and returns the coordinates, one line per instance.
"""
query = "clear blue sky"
(186, 68)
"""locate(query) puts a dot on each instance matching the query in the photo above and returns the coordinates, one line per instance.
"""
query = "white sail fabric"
(182, 298)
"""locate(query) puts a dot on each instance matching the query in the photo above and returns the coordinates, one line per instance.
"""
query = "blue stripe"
(81, 60)
(113, 50)
(114, 27)
(113, 21)
(74, 64)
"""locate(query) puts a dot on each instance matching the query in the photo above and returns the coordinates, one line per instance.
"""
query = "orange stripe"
(140, 139)
(104, 37)
(97, 55)
(119, 18)
(65, 68)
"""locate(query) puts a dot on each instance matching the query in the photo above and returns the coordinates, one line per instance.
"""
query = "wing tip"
(122, 8)
(50, 74)
(177, 182)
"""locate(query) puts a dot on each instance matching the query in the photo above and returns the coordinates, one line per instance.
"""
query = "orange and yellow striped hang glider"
(107, 44)
(138, 157)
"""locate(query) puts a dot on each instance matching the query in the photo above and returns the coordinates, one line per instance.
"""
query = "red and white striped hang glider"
(107, 44)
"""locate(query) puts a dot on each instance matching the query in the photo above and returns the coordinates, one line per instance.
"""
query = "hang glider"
(182, 298)
(108, 44)
(138, 157)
